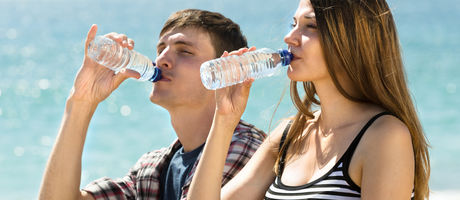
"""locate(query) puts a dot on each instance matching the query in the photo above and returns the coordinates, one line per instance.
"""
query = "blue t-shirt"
(173, 178)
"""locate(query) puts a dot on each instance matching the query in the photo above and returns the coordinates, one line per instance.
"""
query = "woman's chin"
(293, 76)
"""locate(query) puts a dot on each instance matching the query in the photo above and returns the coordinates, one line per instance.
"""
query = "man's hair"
(225, 34)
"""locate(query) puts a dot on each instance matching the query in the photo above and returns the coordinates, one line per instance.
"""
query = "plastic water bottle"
(230, 70)
(107, 52)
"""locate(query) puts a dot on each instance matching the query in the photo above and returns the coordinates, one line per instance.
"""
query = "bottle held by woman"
(227, 71)
(356, 134)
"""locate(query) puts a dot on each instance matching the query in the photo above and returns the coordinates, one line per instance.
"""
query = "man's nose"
(164, 60)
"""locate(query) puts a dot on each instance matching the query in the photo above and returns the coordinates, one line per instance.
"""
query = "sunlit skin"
(382, 165)
(93, 84)
(190, 105)
(303, 40)
(180, 54)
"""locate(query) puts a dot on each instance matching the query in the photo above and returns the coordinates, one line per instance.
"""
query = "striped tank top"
(335, 184)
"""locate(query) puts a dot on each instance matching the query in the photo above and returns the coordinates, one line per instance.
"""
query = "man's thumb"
(124, 74)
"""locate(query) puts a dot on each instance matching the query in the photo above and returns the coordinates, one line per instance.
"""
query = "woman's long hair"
(359, 37)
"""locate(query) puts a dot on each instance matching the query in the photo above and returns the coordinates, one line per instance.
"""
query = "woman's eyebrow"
(309, 16)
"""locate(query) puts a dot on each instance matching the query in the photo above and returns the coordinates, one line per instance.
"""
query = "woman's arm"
(230, 105)
(250, 183)
(388, 162)
(254, 179)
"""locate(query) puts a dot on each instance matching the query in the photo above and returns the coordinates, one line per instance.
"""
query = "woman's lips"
(295, 57)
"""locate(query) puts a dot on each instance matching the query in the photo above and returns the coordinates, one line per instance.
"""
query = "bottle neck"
(286, 57)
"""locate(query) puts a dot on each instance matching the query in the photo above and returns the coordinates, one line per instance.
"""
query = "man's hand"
(94, 82)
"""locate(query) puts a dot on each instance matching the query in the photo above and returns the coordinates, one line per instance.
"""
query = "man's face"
(180, 54)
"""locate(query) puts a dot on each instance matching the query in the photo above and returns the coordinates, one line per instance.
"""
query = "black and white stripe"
(331, 186)
(336, 184)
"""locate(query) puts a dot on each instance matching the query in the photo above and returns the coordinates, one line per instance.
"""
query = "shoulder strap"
(355, 142)
(285, 132)
(283, 138)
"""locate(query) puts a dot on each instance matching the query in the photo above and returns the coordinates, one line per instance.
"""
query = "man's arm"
(63, 171)
(93, 84)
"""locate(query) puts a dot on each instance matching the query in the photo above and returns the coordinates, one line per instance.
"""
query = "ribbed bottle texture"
(107, 52)
(230, 70)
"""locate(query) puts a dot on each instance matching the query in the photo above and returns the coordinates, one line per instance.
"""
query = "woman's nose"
(292, 38)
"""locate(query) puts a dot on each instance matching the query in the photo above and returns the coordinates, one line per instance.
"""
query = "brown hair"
(225, 34)
(360, 38)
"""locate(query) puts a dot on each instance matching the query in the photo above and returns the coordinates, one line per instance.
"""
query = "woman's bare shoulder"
(387, 139)
(275, 135)
(388, 128)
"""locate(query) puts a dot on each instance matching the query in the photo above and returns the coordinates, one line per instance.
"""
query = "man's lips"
(164, 78)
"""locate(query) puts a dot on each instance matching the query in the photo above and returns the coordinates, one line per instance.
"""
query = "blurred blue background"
(41, 49)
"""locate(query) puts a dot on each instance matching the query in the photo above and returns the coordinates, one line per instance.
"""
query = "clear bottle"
(230, 70)
(107, 52)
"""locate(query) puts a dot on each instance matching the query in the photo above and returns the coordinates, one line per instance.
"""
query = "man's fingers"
(130, 44)
(116, 36)
(90, 36)
(130, 73)
(121, 39)
(124, 74)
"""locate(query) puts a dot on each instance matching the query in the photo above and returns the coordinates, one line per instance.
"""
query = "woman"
(365, 142)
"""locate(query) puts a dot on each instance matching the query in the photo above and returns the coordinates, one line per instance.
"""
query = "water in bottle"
(107, 52)
(230, 70)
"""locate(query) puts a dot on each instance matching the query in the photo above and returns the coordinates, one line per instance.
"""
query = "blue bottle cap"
(156, 74)
(286, 57)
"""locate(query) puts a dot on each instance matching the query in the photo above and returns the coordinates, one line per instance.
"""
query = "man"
(188, 38)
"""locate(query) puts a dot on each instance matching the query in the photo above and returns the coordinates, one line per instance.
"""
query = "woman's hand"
(231, 101)
(94, 82)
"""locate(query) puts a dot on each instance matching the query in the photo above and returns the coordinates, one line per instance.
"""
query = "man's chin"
(158, 100)
(154, 98)
(158, 96)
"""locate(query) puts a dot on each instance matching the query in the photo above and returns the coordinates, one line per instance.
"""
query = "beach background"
(41, 49)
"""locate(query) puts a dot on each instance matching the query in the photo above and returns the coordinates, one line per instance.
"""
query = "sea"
(41, 50)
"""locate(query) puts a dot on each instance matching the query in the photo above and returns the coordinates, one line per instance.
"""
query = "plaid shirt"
(143, 179)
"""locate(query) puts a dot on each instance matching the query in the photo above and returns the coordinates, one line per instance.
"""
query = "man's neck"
(192, 125)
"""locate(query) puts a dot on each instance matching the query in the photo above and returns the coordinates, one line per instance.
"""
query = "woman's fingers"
(239, 52)
(225, 54)
(245, 87)
(248, 82)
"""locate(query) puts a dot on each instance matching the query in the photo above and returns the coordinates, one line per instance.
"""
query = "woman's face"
(303, 41)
